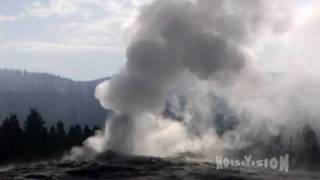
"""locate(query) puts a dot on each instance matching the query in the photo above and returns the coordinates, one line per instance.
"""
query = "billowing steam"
(205, 38)
(193, 84)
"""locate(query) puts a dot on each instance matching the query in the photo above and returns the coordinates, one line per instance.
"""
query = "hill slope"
(55, 97)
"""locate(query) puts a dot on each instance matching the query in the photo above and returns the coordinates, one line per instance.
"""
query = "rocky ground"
(114, 166)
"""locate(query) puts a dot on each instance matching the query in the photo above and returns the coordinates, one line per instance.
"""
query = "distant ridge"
(57, 98)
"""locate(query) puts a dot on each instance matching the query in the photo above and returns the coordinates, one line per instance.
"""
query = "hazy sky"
(79, 39)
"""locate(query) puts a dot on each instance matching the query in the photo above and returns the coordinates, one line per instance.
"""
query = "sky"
(78, 39)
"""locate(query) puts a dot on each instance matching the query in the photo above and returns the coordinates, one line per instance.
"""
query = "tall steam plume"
(191, 82)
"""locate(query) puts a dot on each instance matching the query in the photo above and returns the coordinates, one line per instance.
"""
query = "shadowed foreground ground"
(114, 166)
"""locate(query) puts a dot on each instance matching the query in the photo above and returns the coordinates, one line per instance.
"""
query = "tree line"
(34, 140)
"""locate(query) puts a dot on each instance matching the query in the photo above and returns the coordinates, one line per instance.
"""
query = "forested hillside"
(55, 97)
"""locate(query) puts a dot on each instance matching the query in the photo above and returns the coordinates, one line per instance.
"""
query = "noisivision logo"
(276, 163)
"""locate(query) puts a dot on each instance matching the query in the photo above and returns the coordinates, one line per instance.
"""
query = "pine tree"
(96, 128)
(75, 136)
(45, 151)
(53, 133)
(12, 136)
(3, 146)
(78, 134)
(34, 131)
(53, 140)
(87, 132)
(61, 135)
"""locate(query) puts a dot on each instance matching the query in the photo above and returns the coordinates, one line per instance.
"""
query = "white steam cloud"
(193, 81)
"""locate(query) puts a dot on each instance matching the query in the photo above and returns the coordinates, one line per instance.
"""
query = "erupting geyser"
(192, 82)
